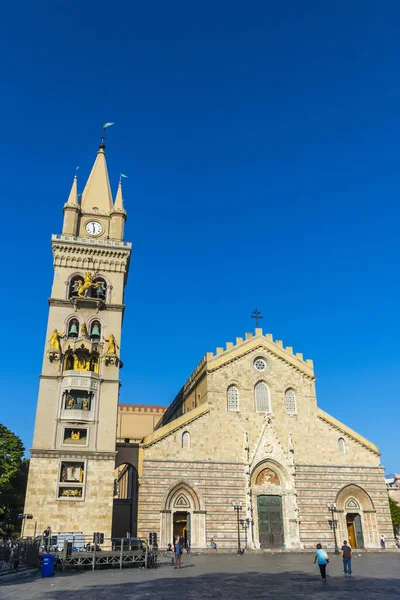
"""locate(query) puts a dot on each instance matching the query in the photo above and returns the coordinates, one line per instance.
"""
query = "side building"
(246, 429)
(71, 473)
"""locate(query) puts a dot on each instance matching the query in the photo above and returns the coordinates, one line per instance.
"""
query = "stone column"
(199, 529)
(166, 536)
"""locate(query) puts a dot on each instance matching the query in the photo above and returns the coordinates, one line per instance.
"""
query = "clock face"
(93, 228)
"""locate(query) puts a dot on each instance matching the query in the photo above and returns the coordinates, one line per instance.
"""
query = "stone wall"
(92, 514)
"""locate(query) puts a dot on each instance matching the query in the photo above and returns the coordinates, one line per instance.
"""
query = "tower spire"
(119, 201)
(73, 195)
(97, 192)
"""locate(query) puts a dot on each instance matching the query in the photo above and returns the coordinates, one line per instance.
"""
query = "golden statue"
(81, 473)
(85, 404)
(55, 340)
(70, 401)
(112, 344)
(83, 330)
(75, 435)
(84, 286)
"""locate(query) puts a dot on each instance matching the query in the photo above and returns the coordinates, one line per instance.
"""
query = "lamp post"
(238, 507)
(245, 523)
(332, 509)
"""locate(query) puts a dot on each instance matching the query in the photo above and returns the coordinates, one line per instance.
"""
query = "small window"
(233, 398)
(260, 364)
(290, 402)
(73, 329)
(185, 439)
(342, 446)
(71, 480)
(261, 397)
(77, 400)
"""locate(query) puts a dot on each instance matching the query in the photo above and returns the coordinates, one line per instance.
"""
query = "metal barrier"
(104, 553)
(18, 555)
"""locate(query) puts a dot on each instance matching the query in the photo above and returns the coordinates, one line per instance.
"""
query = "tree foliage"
(11, 456)
(395, 512)
(13, 476)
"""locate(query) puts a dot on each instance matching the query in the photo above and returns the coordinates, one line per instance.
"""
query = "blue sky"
(261, 141)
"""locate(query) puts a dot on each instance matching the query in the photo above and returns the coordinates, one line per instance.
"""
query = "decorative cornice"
(65, 454)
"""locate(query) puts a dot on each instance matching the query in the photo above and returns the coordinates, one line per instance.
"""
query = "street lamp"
(332, 509)
(245, 523)
(238, 507)
(24, 516)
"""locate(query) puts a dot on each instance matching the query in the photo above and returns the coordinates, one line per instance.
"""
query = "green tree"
(11, 459)
(395, 512)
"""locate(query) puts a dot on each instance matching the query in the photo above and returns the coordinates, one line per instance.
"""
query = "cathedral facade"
(242, 450)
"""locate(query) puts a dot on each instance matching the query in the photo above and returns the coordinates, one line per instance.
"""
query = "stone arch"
(183, 503)
(180, 489)
(356, 492)
(353, 503)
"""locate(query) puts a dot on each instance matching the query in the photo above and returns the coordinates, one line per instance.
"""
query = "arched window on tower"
(74, 286)
(342, 446)
(95, 331)
(232, 398)
(290, 402)
(73, 329)
(261, 397)
(101, 289)
(185, 439)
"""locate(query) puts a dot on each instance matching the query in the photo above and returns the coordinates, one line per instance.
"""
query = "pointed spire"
(97, 192)
(73, 195)
(119, 201)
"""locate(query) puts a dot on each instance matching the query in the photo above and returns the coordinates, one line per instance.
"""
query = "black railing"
(18, 556)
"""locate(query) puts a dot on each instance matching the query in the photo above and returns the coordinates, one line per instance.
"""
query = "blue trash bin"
(48, 565)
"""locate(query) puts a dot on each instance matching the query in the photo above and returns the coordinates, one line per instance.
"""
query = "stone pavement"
(283, 576)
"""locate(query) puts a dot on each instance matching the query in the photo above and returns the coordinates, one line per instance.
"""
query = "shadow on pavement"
(235, 586)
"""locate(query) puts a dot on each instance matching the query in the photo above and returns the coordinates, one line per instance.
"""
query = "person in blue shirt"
(322, 558)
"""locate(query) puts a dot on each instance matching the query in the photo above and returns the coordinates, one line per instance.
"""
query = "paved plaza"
(282, 576)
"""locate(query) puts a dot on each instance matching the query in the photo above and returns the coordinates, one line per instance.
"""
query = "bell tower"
(71, 473)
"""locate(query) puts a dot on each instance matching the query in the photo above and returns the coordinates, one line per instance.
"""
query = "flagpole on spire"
(121, 175)
(103, 137)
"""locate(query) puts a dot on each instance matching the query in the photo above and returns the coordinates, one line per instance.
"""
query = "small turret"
(118, 216)
(71, 211)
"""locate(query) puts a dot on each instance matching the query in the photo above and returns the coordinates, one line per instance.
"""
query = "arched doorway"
(357, 517)
(183, 514)
(124, 522)
(274, 507)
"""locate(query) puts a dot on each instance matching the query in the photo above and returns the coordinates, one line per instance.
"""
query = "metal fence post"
(122, 553)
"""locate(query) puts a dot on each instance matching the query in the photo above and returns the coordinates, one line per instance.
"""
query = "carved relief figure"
(267, 476)
(112, 344)
(55, 340)
(87, 284)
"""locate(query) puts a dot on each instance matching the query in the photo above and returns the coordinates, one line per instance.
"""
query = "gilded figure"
(86, 284)
(75, 435)
(70, 401)
(85, 404)
(55, 340)
(84, 330)
(111, 344)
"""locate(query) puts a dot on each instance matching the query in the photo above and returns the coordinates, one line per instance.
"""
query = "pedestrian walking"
(347, 556)
(178, 549)
(322, 558)
(383, 542)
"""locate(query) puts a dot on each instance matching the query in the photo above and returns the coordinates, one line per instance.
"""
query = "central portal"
(182, 526)
(270, 522)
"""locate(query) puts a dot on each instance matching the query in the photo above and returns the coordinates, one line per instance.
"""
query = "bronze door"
(270, 521)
